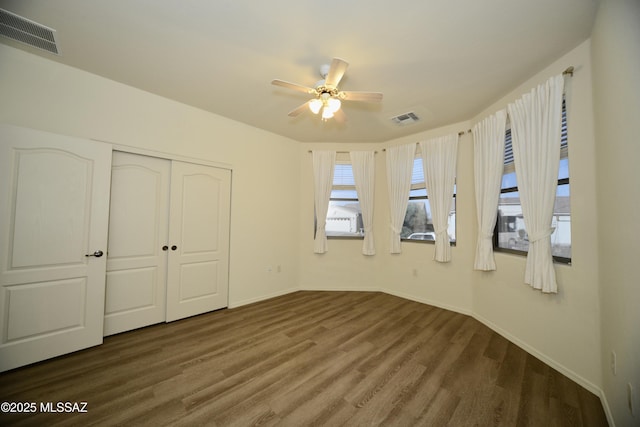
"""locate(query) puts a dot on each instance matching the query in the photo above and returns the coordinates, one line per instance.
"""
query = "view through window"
(511, 234)
(418, 221)
(344, 216)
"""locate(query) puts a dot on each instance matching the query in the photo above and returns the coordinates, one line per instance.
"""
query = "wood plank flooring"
(306, 359)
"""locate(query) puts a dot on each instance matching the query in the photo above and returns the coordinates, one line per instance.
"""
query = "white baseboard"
(339, 289)
(543, 357)
(428, 302)
(529, 349)
(607, 409)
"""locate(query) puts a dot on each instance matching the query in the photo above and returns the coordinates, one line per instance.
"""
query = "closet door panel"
(54, 201)
(198, 279)
(132, 289)
(199, 230)
(138, 221)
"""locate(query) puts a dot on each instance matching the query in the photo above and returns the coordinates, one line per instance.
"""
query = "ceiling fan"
(326, 96)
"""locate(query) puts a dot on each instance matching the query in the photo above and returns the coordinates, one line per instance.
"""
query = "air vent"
(28, 32)
(405, 119)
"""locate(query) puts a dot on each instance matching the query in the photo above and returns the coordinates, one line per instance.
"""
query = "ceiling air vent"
(28, 32)
(405, 119)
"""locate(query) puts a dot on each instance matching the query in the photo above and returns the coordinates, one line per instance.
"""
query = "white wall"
(616, 74)
(446, 285)
(45, 95)
(412, 274)
(596, 310)
(555, 328)
(563, 329)
(343, 267)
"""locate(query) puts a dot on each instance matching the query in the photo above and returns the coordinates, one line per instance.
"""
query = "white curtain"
(488, 150)
(363, 163)
(323, 164)
(439, 157)
(535, 128)
(399, 170)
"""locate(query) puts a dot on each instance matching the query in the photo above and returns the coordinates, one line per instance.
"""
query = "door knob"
(174, 247)
(165, 248)
(96, 254)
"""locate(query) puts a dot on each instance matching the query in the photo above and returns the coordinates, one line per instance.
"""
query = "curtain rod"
(462, 132)
(569, 71)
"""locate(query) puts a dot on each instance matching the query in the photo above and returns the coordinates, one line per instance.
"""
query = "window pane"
(417, 175)
(561, 222)
(509, 180)
(420, 192)
(344, 219)
(563, 172)
(343, 175)
(511, 231)
(418, 222)
(344, 194)
(451, 226)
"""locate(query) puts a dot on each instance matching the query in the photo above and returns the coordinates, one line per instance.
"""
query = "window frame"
(342, 159)
(423, 186)
(510, 168)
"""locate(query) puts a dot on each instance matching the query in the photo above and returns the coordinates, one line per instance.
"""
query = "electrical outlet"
(614, 363)
(630, 398)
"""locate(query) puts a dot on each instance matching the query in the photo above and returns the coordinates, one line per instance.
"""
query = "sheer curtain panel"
(399, 169)
(323, 163)
(363, 164)
(535, 128)
(439, 157)
(488, 161)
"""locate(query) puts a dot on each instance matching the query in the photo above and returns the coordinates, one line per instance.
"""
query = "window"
(510, 234)
(344, 216)
(418, 222)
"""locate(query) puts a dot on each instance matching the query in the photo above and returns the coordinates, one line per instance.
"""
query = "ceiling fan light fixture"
(333, 104)
(325, 94)
(315, 105)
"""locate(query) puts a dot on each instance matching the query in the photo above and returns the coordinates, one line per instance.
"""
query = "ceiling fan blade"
(336, 71)
(339, 116)
(293, 86)
(296, 112)
(361, 96)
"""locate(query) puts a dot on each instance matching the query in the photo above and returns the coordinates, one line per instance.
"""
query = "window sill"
(556, 259)
(430, 242)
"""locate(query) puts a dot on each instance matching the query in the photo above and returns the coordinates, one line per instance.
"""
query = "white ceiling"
(445, 60)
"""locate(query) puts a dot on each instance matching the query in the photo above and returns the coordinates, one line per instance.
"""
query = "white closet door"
(199, 240)
(138, 230)
(54, 203)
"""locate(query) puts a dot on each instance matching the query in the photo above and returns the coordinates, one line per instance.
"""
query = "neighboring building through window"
(510, 234)
(418, 221)
(344, 216)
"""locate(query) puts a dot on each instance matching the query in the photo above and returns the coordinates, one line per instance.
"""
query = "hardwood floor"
(307, 358)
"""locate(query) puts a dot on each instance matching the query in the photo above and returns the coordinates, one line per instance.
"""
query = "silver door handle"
(96, 254)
